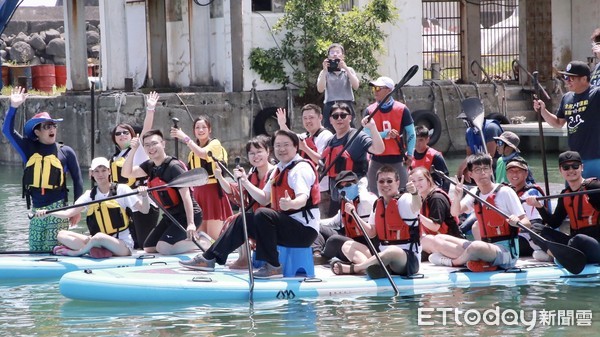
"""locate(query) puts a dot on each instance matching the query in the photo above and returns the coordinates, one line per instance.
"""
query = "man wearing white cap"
(392, 120)
(579, 109)
(44, 188)
(337, 81)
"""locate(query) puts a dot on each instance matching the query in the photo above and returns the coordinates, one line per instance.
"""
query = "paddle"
(195, 177)
(537, 86)
(243, 215)
(409, 74)
(572, 259)
(473, 109)
(371, 247)
(9, 252)
(568, 194)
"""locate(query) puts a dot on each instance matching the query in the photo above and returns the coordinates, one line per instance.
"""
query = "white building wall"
(178, 43)
(114, 39)
(137, 54)
(585, 14)
(200, 45)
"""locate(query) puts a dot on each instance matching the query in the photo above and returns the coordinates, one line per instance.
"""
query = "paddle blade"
(473, 109)
(191, 178)
(571, 258)
(409, 74)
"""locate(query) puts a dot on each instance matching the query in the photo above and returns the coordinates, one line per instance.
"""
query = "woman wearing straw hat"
(46, 165)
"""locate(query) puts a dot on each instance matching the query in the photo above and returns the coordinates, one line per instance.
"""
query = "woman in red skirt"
(203, 153)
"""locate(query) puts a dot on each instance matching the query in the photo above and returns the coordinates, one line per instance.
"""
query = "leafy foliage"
(309, 27)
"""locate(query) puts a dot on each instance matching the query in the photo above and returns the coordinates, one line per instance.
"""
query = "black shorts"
(169, 232)
(412, 264)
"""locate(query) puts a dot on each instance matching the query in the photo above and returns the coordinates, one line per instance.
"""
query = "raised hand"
(151, 100)
(17, 96)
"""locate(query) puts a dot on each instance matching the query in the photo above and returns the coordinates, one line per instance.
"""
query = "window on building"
(275, 6)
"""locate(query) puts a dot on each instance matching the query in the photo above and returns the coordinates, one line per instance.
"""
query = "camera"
(333, 65)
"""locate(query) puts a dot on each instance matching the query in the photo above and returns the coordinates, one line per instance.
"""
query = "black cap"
(569, 156)
(346, 176)
(576, 68)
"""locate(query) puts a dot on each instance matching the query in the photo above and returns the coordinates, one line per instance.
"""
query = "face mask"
(351, 192)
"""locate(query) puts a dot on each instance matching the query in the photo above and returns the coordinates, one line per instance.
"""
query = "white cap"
(383, 82)
(99, 161)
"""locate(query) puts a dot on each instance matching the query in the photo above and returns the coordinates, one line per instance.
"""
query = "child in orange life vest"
(258, 150)
(435, 216)
(582, 210)
(312, 144)
(428, 157)
(394, 221)
(214, 203)
(166, 237)
(498, 247)
(112, 233)
(291, 221)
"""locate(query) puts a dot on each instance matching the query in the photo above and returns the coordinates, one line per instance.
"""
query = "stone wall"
(230, 114)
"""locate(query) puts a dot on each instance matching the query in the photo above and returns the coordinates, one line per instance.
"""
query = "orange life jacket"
(391, 228)
(493, 227)
(352, 229)
(168, 197)
(280, 186)
(344, 162)
(310, 142)
(583, 216)
(427, 160)
(386, 122)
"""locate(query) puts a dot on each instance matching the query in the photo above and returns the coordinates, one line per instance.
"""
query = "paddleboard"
(173, 283)
(52, 267)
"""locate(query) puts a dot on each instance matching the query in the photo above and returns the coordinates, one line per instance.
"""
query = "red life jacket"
(280, 186)
(444, 227)
(352, 229)
(168, 197)
(528, 187)
(391, 228)
(344, 162)
(493, 227)
(386, 122)
(310, 142)
(427, 160)
(583, 216)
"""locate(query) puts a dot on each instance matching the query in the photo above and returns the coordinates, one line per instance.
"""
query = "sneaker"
(199, 263)
(480, 266)
(440, 260)
(269, 271)
(540, 255)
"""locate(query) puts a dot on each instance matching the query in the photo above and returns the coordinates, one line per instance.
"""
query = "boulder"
(37, 42)
(60, 60)
(93, 38)
(56, 48)
(94, 51)
(51, 34)
(21, 52)
(21, 37)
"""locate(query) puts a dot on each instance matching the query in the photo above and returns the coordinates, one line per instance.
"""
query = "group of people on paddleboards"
(375, 200)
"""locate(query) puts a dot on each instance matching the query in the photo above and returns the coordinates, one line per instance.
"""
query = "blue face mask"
(351, 191)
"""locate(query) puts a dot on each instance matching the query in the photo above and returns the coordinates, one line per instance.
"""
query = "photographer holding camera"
(338, 81)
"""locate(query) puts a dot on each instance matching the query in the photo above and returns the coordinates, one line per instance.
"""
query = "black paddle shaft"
(409, 74)
(571, 258)
(372, 248)
(245, 226)
(538, 89)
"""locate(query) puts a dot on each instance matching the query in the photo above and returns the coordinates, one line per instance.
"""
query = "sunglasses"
(385, 181)
(49, 126)
(378, 89)
(125, 132)
(338, 116)
(566, 167)
(499, 143)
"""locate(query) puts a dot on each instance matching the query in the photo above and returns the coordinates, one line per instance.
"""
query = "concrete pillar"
(114, 43)
(76, 45)
(158, 75)
(178, 42)
(237, 40)
(200, 45)
(470, 39)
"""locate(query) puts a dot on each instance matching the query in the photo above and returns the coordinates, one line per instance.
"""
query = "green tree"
(309, 27)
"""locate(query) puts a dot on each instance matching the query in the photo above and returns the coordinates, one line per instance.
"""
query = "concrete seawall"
(230, 113)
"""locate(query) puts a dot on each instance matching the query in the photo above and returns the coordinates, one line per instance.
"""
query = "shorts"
(504, 258)
(412, 263)
(169, 232)
(213, 202)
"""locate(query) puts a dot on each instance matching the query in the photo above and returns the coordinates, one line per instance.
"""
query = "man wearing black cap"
(580, 110)
(583, 210)
(341, 227)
